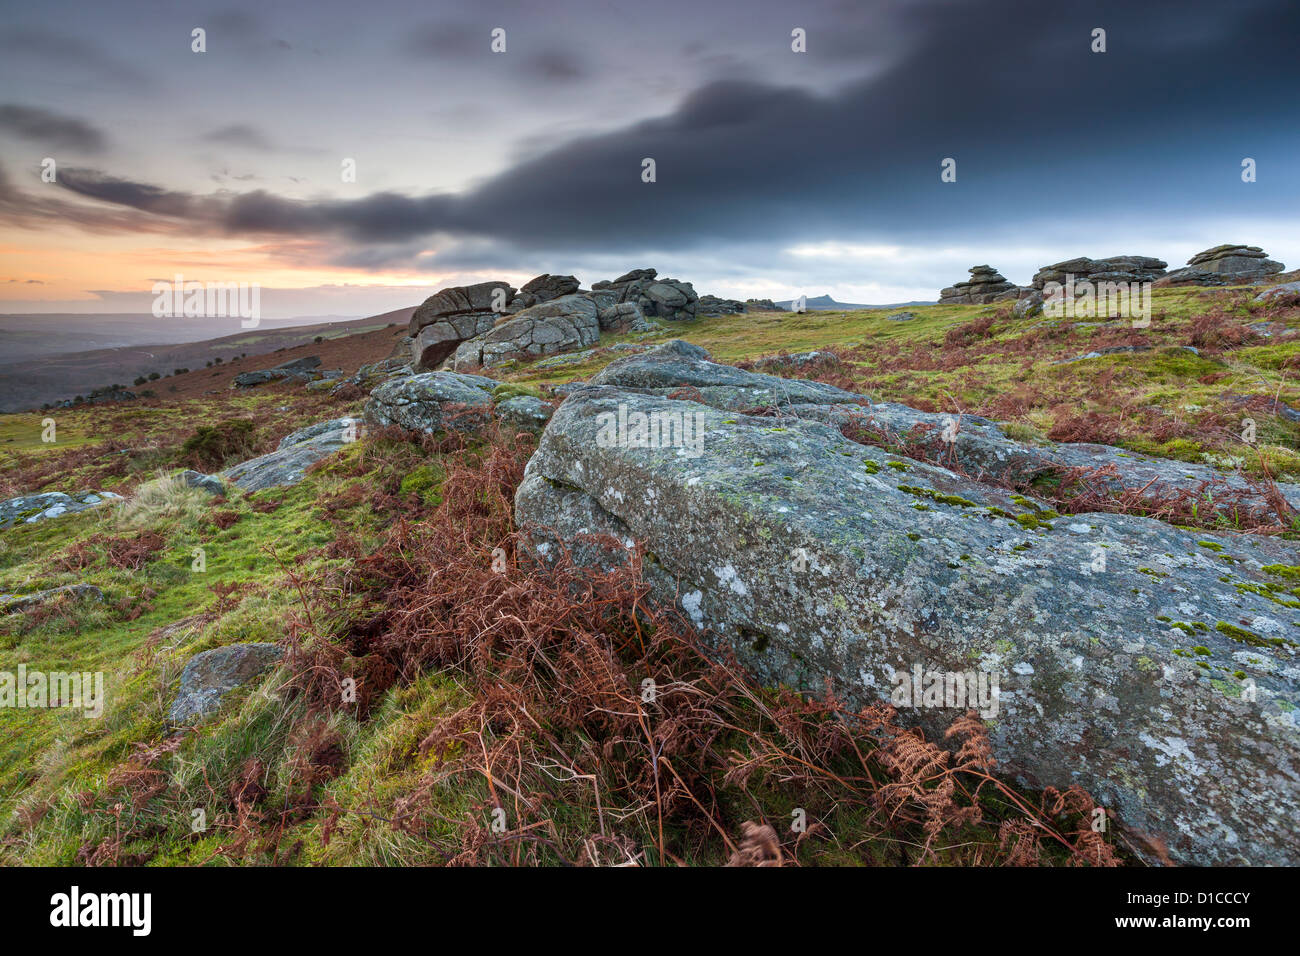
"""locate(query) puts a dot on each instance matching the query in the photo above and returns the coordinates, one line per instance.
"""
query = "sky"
(777, 172)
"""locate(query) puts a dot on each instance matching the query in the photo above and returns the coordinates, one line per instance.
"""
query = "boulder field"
(1153, 665)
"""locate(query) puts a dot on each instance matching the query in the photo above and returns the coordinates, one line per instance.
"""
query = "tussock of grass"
(166, 500)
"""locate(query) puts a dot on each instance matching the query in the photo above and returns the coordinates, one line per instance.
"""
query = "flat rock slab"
(29, 509)
(12, 603)
(298, 451)
(1156, 667)
(210, 675)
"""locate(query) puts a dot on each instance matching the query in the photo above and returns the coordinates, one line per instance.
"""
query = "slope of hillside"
(442, 701)
(30, 384)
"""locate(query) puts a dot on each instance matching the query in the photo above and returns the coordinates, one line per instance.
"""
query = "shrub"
(211, 446)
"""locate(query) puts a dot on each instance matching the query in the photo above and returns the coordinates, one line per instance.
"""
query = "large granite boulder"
(453, 315)
(29, 509)
(297, 452)
(985, 285)
(432, 401)
(659, 298)
(565, 324)
(625, 317)
(1224, 265)
(1154, 666)
(544, 288)
(1110, 269)
(211, 675)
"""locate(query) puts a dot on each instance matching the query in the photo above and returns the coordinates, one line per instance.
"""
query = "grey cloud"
(555, 66)
(241, 135)
(68, 54)
(445, 40)
(50, 129)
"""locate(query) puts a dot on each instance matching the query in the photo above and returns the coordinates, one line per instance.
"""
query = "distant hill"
(824, 303)
(32, 381)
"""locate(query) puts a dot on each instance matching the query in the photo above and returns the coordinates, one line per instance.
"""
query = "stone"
(209, 483)
(793, 360)
(544, 288)
(984, 286)
(13, 603)
(624, 317)
(368, 376)
(1131, 268)
(29, 509)
(1224, 265)
(658, 298)
(460, 300)
(813, 557)
(1287, 290)
(451, 316)
(678, 363)
(296, 452)
(258, 377)
(1028, 306)
(524, 412)
(762, 305)
(900, 317)
(211, 675)
(432, 401)
(561, 325)
(712, 305)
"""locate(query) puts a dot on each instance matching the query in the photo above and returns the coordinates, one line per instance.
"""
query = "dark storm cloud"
(51, 129)
(1040, 127)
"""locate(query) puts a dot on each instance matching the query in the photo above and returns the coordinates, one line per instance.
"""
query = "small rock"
(210, 675)
(28, 509)
(209, 483)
